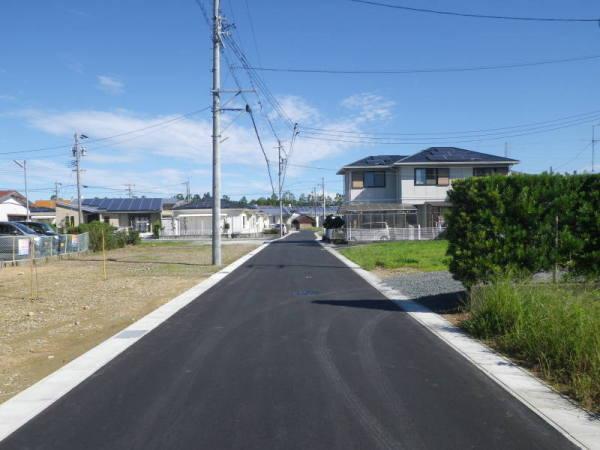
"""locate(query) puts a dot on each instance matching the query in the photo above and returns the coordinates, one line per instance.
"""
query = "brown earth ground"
(75, 308)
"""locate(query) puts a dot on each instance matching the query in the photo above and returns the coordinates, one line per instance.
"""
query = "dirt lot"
(76, 308)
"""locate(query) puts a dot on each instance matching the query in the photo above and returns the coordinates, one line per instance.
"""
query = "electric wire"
(424, 70)
(477, 16)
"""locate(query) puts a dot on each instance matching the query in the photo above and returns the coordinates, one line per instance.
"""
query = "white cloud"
(296, 109)
(188, 139)
(110, 85)
(369, 106)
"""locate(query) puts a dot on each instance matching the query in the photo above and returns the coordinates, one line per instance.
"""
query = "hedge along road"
(291, 351)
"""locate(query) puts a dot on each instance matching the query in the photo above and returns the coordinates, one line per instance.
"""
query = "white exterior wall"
(417, 195)
(384, 194)
(200, 222)
(11, 207)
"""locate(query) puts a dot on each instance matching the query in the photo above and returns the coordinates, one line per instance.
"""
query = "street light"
(23, 165)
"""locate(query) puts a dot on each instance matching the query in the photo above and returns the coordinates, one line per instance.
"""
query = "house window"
(374, 179)
(484, 171)
(357, 180)
(106, 219)
(432, 177)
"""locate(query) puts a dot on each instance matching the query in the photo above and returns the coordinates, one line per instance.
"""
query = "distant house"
(272, 212)
(405, 190)
(195, 219)
(43, 214)
(302, 221)
(290, 213)
(123, 213)
(13, 206)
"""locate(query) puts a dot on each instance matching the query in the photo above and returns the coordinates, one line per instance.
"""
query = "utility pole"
(216, 136)
(324, 206)
(130, 190)
(280, 188)
(56, 190)
(23, 166)
(506, 149)
(187, 190)
(314, 201)
(78, 152)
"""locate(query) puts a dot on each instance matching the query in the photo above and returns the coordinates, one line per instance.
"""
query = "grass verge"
(426, 256)
(552, 329)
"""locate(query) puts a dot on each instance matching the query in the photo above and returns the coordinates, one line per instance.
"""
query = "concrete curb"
(21, 408)
(580, 427)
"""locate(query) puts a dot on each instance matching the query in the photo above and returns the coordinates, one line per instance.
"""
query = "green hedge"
(502, 225)
(112, 238)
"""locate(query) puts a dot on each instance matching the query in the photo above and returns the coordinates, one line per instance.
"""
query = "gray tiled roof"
(377, 160)
(452, 154)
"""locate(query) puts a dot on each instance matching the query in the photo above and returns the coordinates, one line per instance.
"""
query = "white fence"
(18, 248)
(416, 233)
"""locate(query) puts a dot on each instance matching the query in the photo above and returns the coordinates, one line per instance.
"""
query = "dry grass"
(76, 309)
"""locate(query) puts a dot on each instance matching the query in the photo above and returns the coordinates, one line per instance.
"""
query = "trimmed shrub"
(333, 222)
(112, 238)
(502, 225)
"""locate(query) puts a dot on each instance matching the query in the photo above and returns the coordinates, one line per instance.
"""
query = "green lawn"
(426, 256)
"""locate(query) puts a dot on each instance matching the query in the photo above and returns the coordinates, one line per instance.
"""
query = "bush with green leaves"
(156, 229)
(501, 225)
(333, 222)
(112, 238)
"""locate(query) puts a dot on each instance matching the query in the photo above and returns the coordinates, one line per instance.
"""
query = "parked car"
(17, 248)
(44, 229)
(374, 231)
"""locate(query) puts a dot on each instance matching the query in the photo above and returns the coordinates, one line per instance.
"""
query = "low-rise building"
(13, 206)
(195, 219)
(402, 190)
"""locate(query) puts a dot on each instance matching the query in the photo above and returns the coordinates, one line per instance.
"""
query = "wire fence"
(384, 233)
(20, 248)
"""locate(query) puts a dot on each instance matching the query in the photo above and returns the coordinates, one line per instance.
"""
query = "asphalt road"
(291, 351)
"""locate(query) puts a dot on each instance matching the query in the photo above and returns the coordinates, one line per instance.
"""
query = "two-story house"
(404, 190)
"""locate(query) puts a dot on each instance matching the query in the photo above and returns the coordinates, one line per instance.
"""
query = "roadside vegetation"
(550, 328)
(425, 256)
(113, 238)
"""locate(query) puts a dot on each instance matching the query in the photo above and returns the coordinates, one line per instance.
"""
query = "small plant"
(156, 229)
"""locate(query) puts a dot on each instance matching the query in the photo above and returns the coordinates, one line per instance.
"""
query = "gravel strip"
(436, 290)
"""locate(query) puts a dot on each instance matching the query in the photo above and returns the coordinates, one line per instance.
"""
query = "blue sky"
(109, 67)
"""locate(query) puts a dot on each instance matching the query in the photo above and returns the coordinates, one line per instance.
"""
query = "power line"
(261, 147)
(425, 70)
(583, 116)
(575, 157)
(253, 32)
(476, 16)
(452, 140)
